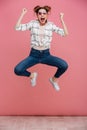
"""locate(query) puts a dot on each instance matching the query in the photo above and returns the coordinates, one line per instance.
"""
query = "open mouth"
(42, 19)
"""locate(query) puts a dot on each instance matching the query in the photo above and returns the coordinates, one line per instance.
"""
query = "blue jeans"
(43, 57)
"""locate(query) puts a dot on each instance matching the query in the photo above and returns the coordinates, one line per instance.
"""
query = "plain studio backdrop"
(17, 97)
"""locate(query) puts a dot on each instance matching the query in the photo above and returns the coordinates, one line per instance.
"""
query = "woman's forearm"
(24, 11)
(19, 20)
(65, 28)
(63, 24)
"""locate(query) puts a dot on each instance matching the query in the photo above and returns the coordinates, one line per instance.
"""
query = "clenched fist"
(61, 15)
(24, 11)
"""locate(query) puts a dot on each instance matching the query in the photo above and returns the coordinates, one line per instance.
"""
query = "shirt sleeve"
(58, 30)
(24, 27)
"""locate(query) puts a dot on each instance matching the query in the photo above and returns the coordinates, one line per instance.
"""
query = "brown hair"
(46, 7)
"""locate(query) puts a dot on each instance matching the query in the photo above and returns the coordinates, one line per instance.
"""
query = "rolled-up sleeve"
(24, 27)
(58, 30)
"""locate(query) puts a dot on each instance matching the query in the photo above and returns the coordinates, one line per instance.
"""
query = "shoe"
(33, 80)
(55, 84)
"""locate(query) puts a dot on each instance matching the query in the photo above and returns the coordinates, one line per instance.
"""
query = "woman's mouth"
(42, 19)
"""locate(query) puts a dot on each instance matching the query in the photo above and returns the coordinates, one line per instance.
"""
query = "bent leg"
(56, 62)
(21, 68)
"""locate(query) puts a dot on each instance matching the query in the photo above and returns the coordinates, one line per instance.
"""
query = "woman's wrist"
(62, 21)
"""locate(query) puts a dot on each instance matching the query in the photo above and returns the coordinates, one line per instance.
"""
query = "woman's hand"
(24, 11)
(61, 16)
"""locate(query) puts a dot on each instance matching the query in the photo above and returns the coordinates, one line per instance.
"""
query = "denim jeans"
(43, 57)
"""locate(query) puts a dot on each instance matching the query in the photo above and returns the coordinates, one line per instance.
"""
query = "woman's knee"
(17, 71)
(65, 66)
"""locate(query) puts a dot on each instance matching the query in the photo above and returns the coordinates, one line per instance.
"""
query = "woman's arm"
(63, 24)
(24, 11)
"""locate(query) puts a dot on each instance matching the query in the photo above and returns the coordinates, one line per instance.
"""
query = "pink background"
(17, 97)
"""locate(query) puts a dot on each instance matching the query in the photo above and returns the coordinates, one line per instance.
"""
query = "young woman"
(41, 37)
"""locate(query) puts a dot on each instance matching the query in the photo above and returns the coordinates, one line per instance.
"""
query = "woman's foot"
(33, 78)
(54, 83)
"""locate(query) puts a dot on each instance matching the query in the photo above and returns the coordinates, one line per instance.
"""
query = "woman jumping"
(41, 36)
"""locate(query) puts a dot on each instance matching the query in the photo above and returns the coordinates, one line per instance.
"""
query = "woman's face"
(42, 16)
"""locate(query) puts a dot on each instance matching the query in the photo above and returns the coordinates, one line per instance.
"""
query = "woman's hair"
(46, 7)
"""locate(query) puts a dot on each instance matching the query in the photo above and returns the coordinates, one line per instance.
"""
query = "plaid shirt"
(41, 37)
